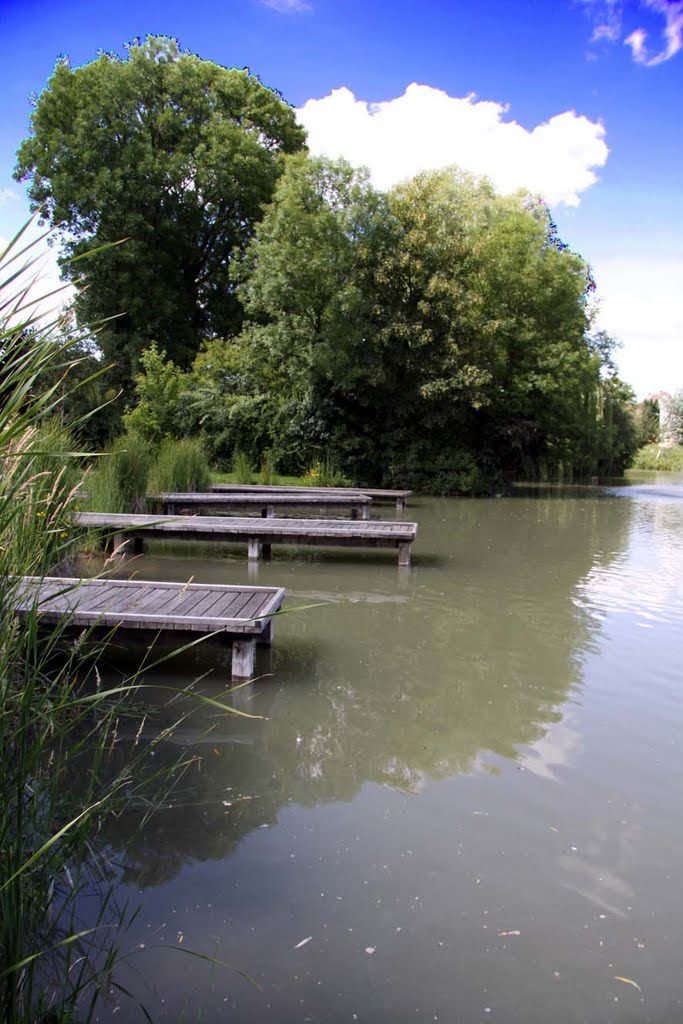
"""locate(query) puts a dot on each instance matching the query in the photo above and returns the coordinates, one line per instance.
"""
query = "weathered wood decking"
(378, 494)
(255, 532)
(266, 503)
(242, 614)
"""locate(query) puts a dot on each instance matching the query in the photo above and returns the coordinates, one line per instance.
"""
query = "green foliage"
(654, 457)
(159, 389)
(440, 310)
(241, 468)
(647, 421)
(178, 156)
(179, 466)
(267, 474)
(118, 480)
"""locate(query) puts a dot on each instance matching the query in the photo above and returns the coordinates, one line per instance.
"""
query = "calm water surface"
(462, 801)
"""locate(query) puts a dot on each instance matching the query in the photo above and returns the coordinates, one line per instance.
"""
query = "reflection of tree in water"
(478, 659)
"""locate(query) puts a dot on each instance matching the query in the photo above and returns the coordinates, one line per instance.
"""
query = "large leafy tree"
(177, 155)
(438, 333)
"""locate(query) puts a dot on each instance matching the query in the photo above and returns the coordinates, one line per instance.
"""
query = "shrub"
(324, 473)
(267, 474)
(666, 460)
(179, 466)
(118, 480)
(241, 467)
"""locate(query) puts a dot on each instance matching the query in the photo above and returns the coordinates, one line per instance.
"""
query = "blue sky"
(578, 99)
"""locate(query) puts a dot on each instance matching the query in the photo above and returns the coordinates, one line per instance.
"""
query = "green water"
(462, 801)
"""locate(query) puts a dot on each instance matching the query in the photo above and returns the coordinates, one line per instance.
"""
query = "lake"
(462, 802)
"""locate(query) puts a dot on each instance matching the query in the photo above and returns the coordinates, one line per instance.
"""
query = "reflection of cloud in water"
(551, 751)
(595, 871)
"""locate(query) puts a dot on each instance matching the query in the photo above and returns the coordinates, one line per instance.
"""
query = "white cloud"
(641, 304)
(672, 11)
(425, 128)
(607, 16)
(287, 6)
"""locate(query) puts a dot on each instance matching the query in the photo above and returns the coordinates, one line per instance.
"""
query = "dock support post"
(243, 658)
(254, 552)
(366, 512)
(138, 545)
(121, 544)
(267, 634)
(400, 503)
(354, 512)
(404, 552)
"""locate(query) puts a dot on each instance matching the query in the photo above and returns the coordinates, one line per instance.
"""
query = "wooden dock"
(259, 534)
(240, 614)
(378, 494)
(267, 503)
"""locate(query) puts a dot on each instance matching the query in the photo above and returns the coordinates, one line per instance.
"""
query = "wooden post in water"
(243, 658)
(254, 549)
(404, 552)
(121, 544)
(366, 512)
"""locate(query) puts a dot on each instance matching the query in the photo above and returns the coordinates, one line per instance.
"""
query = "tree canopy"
(177, 155)
(436, 336)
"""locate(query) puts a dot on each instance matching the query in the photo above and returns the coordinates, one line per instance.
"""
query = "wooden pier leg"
(254, 552)
(270, 511)
(366, 512)
(243, 652)
(242, 697)
(354, 512)
(400, 504)
(404, 552)
(267, 634)
(121, 544)
(266, 551)
(138, 545)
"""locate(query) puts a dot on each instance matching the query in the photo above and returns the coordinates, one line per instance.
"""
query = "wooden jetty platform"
(259, 534)
(240, 614)
(378, 494)
(266, 503)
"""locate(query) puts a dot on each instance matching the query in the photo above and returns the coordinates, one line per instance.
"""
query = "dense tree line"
(437, 335)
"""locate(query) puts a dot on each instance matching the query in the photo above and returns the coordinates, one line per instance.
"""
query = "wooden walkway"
(174, 504)
(241, 614)
(255, 532)
(378, 494)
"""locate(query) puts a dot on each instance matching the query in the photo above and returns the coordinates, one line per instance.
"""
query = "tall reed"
(241, 468)
(118, 480)
(179, 465)
(58, 725)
